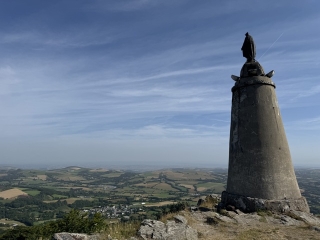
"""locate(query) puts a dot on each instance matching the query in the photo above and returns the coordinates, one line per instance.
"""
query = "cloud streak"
(147, 70)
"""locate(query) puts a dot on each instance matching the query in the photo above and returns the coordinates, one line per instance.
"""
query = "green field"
(31, 192)
(215, 187)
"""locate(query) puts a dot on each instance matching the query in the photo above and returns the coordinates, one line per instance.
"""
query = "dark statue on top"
(251, 67)
(249, 48)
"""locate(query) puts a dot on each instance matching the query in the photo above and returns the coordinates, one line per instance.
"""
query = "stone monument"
(260, 174)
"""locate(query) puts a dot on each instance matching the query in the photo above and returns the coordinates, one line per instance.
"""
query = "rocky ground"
(263, 225)
(234, 225)
(192, 225)
(204, 222)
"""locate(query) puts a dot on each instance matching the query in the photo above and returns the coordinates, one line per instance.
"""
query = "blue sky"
(147, 81)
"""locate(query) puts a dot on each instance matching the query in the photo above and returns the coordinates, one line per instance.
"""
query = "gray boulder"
(308, 218)
(210, 200)
(173, 230)
(286, 220)
(74, 236)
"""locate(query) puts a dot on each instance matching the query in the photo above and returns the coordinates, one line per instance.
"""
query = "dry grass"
(99, 170)
(187, 186)
(210, 202)
(264, 232)
(258, 231)
(164, 186)
(186, 214)
(175, 175)
(42, 177)
(75, 168)
(12, 193)
(72, 200)
(112, 174)
(160, 204)
(201, 189)
(10, 222)
(50, 201)
(147, 185)
(120, 230)
(221, 230)
(167, 217)
(83, 188)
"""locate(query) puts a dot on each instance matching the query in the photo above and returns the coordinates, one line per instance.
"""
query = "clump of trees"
(78, 222)
(158, 212)
(74, 221)
(29, 209)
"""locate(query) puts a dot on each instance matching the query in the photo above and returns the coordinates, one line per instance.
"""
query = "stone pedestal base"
(248, 204)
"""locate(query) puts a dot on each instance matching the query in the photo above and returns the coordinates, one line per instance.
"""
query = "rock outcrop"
(74, 236)
(229, 223)
(172, 230)
(234, 223)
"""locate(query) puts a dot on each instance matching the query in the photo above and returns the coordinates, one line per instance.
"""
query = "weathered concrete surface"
(248, 204)
(250, 68)
(260, 164)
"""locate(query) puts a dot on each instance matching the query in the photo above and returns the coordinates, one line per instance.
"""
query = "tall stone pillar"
(260, 173)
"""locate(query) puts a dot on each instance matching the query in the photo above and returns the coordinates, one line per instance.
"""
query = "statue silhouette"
(249, 48)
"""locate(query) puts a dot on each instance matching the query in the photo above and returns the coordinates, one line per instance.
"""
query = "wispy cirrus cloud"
(147, 71)
(305, 124)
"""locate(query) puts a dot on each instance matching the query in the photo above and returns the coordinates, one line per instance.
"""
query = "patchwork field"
(42, 177)
(187, 186)
(164, 186)
(31, 192)
(12, 193)
(99, 170)
(146, 185)
(160, 204)
(53, 192)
